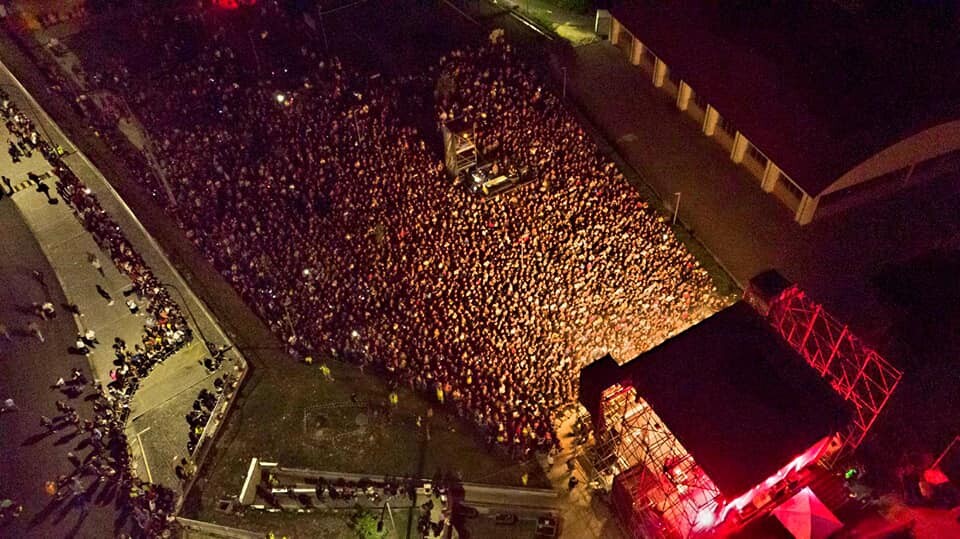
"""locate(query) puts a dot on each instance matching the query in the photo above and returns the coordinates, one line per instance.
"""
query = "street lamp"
(676, 207)
(564, 69)
(150, 154)
(389, 511)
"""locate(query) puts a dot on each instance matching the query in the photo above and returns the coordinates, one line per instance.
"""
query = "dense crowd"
(321, 202)
(106, 467)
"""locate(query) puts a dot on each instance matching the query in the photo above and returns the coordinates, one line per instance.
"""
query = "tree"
(364, 523)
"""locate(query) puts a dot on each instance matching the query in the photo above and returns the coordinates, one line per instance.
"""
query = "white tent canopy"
(806, 517)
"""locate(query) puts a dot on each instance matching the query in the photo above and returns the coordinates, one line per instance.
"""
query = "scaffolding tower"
(662, 492)
(855, 371)
(459, 147)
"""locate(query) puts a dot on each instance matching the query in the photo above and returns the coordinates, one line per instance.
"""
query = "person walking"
(5, 332)
(105, 295)
(95, 262)
(34, 328)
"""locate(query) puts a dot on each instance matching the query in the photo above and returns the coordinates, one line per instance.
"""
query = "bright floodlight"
(306, 272)
(354, 334)
(281, 98)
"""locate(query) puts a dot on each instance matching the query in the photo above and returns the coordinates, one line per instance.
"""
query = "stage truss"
(856, 372)
(460, 149)
(662, 492)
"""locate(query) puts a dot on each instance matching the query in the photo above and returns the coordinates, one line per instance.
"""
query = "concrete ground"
(28, 367)
(157, 427)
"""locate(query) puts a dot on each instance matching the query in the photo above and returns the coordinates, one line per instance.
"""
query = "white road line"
(143, 455)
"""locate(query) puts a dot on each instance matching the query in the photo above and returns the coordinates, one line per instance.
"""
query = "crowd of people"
(106, 467)
(323, 203)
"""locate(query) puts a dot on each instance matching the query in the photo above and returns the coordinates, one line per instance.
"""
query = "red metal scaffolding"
(662, 491)
(855, 371)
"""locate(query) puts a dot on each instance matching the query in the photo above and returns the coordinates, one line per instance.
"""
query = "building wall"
(714, 125)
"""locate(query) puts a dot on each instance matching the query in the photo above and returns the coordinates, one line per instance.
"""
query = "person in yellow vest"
(308, 360)
(524, 478)
(325, 371)
(440, 394)
(394, 399)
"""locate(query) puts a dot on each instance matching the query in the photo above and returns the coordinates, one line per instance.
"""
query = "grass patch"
(293, 416)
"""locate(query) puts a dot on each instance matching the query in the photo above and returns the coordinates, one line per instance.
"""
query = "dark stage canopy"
(738, 398)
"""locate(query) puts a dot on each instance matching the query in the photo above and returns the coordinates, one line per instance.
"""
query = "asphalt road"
(28, 367)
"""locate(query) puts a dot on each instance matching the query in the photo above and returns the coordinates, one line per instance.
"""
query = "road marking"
(143, 454)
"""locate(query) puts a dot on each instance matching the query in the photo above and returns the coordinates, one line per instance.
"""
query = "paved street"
(156, 429)
(28, 368)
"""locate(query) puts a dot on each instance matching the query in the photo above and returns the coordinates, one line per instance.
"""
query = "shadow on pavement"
(36, 438)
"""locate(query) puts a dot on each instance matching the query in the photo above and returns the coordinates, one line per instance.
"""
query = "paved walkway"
(157, 430)
(28, 367)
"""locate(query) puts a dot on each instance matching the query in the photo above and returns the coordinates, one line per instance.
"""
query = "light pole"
(256, 55)
(676, 207)
(386, 509)
(148, 152)
(564, 69)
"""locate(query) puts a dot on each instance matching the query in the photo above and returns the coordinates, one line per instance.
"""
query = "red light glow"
(233, 4)
(798, 463)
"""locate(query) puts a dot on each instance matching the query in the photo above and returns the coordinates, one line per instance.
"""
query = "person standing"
(5, 332)
(81, 346)
(8, 406)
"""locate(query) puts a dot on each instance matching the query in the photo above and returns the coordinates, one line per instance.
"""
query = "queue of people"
(106, 468)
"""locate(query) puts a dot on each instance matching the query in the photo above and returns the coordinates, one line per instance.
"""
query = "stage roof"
(738, 398)
(817, 88)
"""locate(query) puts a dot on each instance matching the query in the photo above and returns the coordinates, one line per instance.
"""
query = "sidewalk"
(157, 430)
(32, 455)
(582, 515)
(574, 27)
